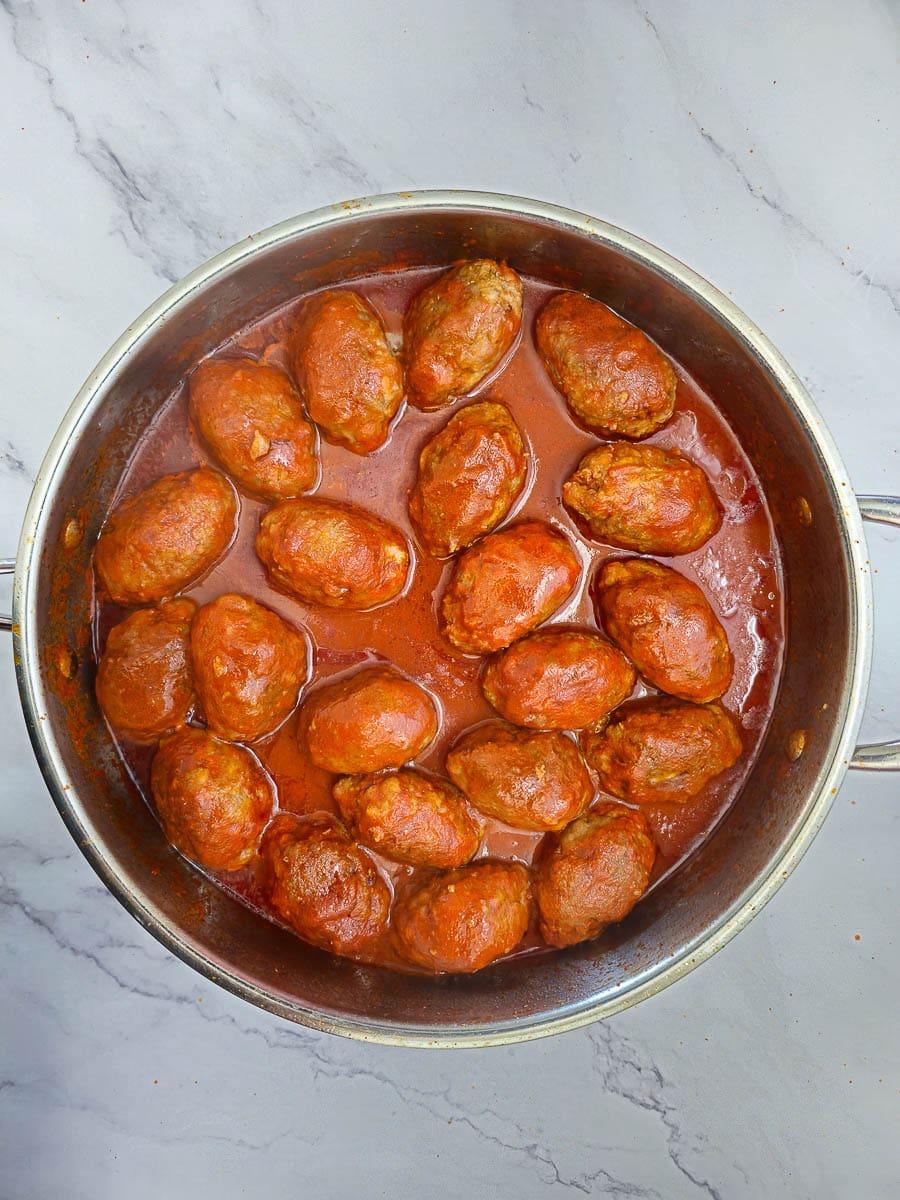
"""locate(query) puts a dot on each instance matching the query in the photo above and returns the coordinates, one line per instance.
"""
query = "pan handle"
(7, 566)
(878, 756)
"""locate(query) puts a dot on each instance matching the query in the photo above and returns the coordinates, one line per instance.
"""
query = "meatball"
(469, 476)
(593, 873)
(525, 778)
(250, 417)
(158, 542)
(349, 376)
(464, 919)
(369, 721)
(666, 626)
(559, 679)
(322, 884)
(663, 749)
(249, 666)
(213, 798)
(409, 817)
(507, 584)
(458, 329)
(333, 554)
(643, 498)
(614, 378)
(144, 676)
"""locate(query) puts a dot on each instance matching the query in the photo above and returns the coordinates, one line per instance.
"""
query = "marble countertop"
(757, 142)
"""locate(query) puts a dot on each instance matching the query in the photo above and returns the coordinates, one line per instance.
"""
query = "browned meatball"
(643, 498)
(507, 584)
(333, 554)
(663, 749)
(367, 722)
(409, 817)
(249, 666)
(613, 377)
(324, 885)
(213, 798)
(144, 676)
(469, 476)
(158, 542)
(525, 778)
(464, 919)
(666, 626)
(593, 873)
(250, 417)
(457, 330)
(559, 679)
(349, 376)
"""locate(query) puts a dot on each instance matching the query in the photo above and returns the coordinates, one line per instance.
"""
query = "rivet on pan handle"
(7, 566)
(878, 756)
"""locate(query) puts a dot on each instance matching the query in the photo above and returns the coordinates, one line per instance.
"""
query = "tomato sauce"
(739, 569)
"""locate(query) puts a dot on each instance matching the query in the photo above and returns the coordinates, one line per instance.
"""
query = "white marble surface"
(757, 141)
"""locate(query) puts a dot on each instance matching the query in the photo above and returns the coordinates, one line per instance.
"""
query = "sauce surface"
(739, 569)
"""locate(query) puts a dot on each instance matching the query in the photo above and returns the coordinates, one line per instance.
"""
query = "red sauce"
(739, 568)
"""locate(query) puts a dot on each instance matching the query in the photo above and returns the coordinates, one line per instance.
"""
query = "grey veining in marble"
(757, 141)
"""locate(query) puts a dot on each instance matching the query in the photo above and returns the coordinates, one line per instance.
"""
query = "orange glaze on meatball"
(144, 684)
(643, 498)
(660, 749)
(367, 722)
(158, 542)
(470, 474)
(250, 417)
(337, 555)
(409, 817)
(525, 778)
(213, 798)
(593, 873)
(613, 377)
(249, 666)
(506, 584)
(323, 884)
(347, 372)
(456, 331)
(558, 679)
(462, 920)
(666, 626)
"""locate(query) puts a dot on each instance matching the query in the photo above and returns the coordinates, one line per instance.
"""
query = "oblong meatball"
(613, 377)
(349, 376)
(593, 873)
(666, 626)
(213, 798)
(367, 722)
(144, 684)
(251, 418)
(323, 884)
(409, 817)
(663, 749)
(464, 919)
(559, 679)
(507, 584)
(337, 555)
(158, 542)
(249, 666)
(456, 331)
(523, 777)
(643, 498)
(470, 474)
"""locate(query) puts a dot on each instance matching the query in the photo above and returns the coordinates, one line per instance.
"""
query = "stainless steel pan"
(811, 741)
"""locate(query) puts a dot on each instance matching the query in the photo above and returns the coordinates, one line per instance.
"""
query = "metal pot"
(809, 745)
